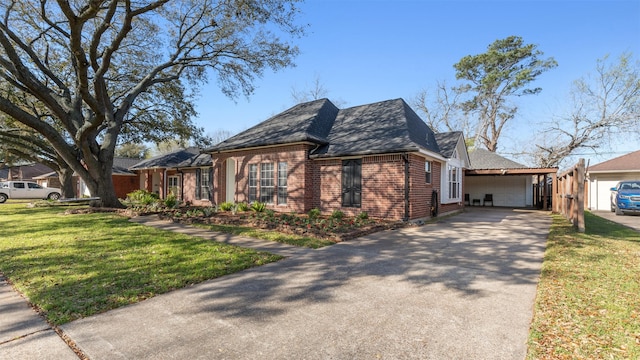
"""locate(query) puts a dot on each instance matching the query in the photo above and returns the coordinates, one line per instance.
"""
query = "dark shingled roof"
(203, 159)
(121, 165)
(170, 160)
(447, 142)
(310, 121)
(378, 128)
(485, 159)
(24, 172)
(627, 162)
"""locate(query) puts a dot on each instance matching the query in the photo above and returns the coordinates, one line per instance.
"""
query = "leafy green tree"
(495, 77)
(603, 106)
(133, 151)
(87, 76)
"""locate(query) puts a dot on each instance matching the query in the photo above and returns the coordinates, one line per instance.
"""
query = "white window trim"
(178, 186)
(444, 182)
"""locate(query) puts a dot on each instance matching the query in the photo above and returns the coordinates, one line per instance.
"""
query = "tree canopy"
(86, 75)
(506, 70)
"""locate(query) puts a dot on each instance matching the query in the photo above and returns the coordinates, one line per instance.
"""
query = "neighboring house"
(509, 183)
(23, 172)
(605, 175)
(186, 173)
(378, 158)
(124, 180)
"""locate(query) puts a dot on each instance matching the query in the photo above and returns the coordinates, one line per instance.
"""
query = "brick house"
(124, 180)
(186, 173)
(379, 158)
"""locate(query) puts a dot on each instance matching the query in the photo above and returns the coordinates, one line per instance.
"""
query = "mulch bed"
(247, 220)
(242, 219)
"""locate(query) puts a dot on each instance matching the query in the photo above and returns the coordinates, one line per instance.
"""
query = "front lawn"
(588, 301)
(73, 266)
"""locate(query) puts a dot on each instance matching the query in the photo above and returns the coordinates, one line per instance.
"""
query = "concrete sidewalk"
(24, 334)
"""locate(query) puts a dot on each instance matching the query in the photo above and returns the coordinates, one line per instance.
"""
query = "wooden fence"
(570, 195)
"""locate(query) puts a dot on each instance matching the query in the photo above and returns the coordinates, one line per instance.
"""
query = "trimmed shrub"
(314, 213)
(243, 206)
(226, 206)
(258, 206)
(337, 214)
(171, 201)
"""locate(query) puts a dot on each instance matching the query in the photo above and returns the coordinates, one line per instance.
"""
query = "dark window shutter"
(352, 183)
(357, 183)
(198, 179)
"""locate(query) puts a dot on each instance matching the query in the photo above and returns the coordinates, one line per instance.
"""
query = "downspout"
(405, 157)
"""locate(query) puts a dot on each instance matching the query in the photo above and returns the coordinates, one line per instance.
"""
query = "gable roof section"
(170, 160)
(485, 159)
(628, 163)
(447, 142)
(378, 128)
(310, 121)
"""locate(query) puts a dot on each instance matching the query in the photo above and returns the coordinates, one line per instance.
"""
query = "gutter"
(405, 157)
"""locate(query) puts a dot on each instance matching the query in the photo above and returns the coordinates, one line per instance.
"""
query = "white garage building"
(605, 175)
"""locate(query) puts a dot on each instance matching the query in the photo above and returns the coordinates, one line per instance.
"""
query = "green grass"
(73, 266)
(270, 235)
(588, 301)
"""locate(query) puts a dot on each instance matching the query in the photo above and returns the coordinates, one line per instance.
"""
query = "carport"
(510, 184)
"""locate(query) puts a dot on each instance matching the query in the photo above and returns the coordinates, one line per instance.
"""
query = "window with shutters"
(351, 182)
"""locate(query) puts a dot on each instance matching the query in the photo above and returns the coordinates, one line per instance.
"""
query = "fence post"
(580, 195)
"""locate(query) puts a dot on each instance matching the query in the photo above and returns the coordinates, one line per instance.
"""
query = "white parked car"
(26, 190)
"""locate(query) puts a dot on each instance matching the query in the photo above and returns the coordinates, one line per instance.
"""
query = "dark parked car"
(625, 197)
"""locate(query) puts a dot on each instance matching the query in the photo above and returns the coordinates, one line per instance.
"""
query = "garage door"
(508, 191)
(600, 189)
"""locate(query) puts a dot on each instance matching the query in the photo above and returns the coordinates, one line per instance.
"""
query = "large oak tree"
(84, 74)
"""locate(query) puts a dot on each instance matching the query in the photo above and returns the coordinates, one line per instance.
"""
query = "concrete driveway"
(462, 288)
(631, 220)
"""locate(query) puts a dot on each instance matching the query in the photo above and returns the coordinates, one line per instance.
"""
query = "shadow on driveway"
(460, 288)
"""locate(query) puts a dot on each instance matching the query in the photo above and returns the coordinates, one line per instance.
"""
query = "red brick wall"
(124, 184)
(317, 183)
(299, 175)
(383, 187)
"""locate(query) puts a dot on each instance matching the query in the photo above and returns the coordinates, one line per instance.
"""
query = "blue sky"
(365, 51)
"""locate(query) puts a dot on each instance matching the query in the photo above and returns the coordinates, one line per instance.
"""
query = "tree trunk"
(103, 188)
(65, 174)
(100, 184)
